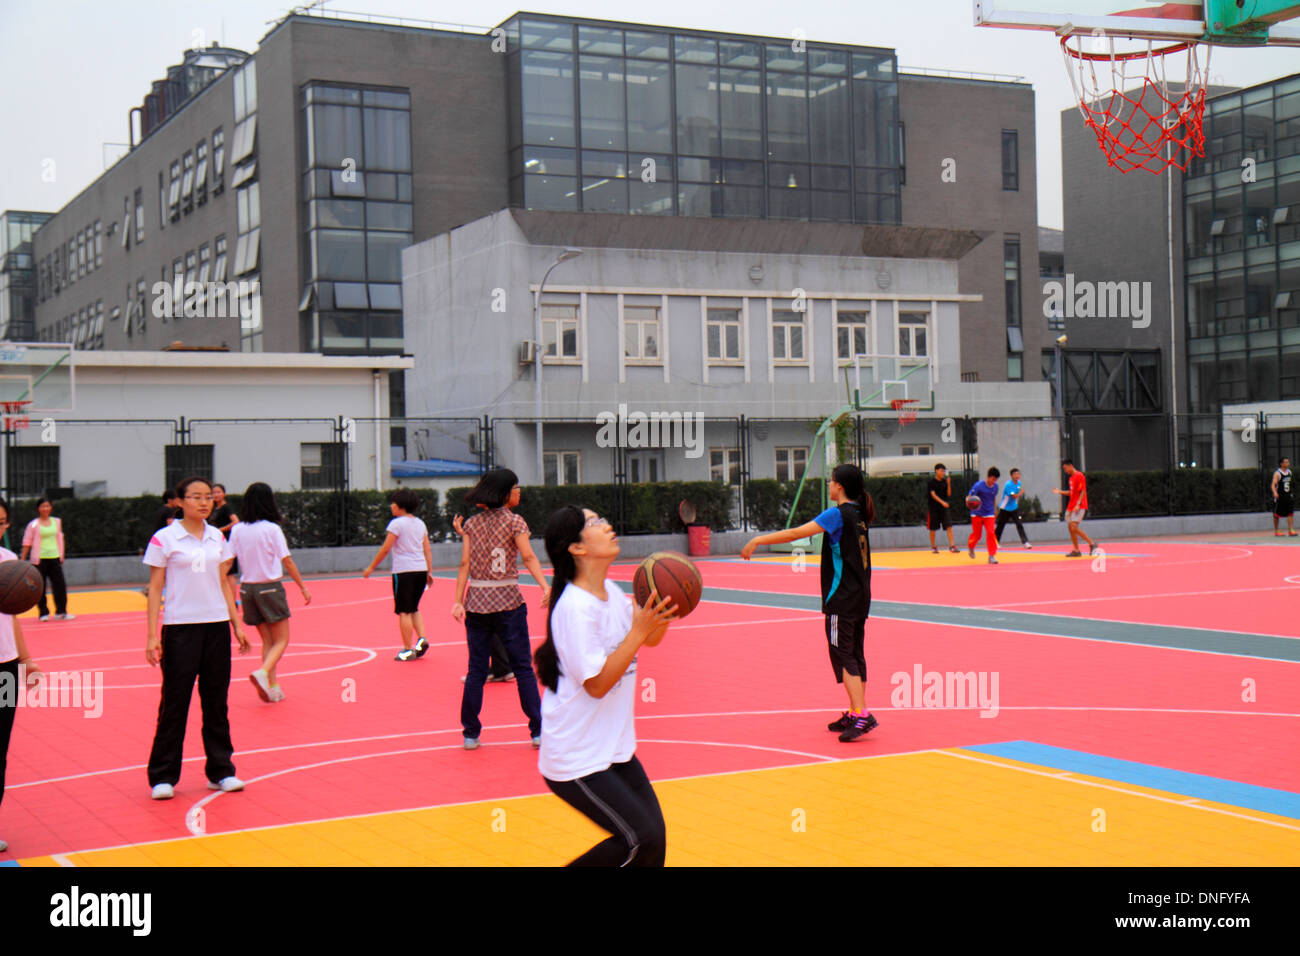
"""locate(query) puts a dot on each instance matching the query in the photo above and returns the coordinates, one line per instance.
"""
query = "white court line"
(61, 859)
(1134, 793)
(1136, 597)
(370, 655)
(639, 717)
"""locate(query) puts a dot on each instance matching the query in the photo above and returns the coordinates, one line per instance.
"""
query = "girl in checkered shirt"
(488, 599)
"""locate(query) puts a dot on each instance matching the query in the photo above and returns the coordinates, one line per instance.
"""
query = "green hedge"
(1195, 491)
(651, 508)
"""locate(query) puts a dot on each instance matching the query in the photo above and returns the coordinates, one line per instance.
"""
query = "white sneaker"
(993, 560)
(228, 785)
(258, 677)
(471, 743)
(162, 791)
(3, 846)
(1028, 546)
(277, 695)
(537, 741)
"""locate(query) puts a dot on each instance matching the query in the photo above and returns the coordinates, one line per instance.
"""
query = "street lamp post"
(564, 256)
(1060, 386)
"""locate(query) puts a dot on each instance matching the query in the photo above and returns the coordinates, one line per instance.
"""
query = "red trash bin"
(698, 539)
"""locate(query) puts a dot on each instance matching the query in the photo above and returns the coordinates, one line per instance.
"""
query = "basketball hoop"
(13, 415)
(905, 407)
(1132, 135)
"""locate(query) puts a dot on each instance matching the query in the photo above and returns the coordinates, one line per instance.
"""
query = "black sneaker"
(421, 646)
(859, 727)
(841, 725)
(406, 655)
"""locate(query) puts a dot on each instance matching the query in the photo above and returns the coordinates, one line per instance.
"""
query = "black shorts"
(846, 638)
(407, 588)
(1284, 507)
(938, 518)
(264, 602)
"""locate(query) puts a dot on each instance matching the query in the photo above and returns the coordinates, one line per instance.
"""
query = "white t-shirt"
(260, 547)
(8, 643)
(581, 734)
(192, 593)
(408, 549)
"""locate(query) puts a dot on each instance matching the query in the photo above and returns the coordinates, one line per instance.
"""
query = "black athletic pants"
(621, 801)
(192, 651)
(1003, 517)
(52, 576)
(8, 676)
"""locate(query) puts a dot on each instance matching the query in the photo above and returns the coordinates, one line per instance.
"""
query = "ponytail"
(850, 478)
(563, 529)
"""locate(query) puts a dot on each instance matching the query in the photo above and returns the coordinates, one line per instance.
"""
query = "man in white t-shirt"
(408, 540)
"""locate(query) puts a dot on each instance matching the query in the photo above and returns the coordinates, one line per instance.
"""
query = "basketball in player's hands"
(20, 587)
(673, 576)
(973, 502)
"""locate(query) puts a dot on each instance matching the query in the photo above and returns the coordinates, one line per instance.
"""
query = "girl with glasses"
(189, 559)
(587, 666)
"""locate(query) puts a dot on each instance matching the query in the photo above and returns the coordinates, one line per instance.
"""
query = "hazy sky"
(74, 68)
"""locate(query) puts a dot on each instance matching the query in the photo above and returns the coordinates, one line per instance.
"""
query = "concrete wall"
(963, 120)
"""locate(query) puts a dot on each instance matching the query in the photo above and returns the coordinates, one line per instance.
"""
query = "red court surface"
(738, 686)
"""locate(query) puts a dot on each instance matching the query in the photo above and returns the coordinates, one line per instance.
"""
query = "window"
(187, 181)
(32, 469)
(644, 466)
(219, 267)
(724, 465)
(562, 467)
(1015, 367)
(852, 335)
(1011, 159)
(205, 263)
(723, 335)
(912, 334)
(918, 449)
(322, 464)
(162, 201)
(787, 335)
(218, 160)
(245, 141)
(1011, 274)
(81, 255)
(201, 172)
(641, 334)
(560, 332)
(181, 461)
(178, 286)
(250, 325)
(99, 244)
(790, 463)
(139, 216)
(174, 192)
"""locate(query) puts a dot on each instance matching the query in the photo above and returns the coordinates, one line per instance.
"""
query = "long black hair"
(259, 504)
(563, 529)
(493, 489)
(849, 477)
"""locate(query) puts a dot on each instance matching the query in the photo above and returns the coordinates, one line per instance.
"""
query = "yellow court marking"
(930, 808)
(908, 560)
(95, 602)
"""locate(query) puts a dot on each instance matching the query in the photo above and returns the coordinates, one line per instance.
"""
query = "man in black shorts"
(938, 495)
(1283, 500)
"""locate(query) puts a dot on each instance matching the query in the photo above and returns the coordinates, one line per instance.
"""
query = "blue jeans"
(512, 629)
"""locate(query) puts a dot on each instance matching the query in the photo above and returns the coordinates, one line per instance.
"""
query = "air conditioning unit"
(527, 352)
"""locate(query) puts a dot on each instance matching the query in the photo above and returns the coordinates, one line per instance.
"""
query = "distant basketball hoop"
(15, 415)
(905, 409)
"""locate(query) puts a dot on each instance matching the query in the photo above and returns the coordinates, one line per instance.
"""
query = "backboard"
(1255, 22)
(39, 373)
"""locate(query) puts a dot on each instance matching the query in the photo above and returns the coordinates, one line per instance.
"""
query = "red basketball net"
(14, 415)
(1150, 127)
(906, 415)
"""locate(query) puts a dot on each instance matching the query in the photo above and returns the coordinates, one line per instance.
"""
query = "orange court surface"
(1137, 708)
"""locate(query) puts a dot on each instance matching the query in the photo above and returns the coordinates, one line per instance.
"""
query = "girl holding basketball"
(846, 587)
(189, 559)
(488, 601)
(15, 664)
(43, 539)
(259, 547)
(587, 666)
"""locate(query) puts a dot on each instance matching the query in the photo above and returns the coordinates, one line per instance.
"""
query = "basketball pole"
(1173, 310)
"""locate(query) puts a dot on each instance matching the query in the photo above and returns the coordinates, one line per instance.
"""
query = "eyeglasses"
(4, 524)
(596, 521)
(198, 497)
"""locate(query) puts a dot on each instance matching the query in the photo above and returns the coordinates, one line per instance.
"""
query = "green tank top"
(49, 538)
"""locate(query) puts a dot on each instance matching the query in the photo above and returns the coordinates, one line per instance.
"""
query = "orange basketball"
(674, 576)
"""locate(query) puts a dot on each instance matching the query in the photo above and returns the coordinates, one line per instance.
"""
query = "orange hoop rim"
(1135, 55)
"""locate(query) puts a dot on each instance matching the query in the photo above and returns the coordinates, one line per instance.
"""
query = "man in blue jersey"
(983, 517)
(1010, 510)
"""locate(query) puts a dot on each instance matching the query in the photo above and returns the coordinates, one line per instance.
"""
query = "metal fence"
(130, 457)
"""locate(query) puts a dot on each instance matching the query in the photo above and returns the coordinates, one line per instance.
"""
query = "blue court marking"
(8, 862)
(1282, 803)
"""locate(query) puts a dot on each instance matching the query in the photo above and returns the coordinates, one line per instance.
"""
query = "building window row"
(70, 261)
(82, 329)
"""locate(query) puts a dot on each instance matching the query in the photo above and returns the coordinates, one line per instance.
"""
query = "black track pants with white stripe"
(621, 801)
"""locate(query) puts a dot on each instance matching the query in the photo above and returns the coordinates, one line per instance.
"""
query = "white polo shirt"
(260, 547)
(192, 592)
(581, 734)
(8, 643)
(408, 549)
